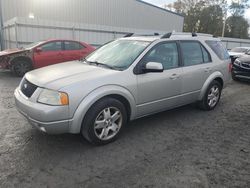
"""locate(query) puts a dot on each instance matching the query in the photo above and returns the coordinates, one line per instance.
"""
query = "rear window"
(218, 49)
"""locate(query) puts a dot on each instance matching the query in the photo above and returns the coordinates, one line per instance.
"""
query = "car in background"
(237, 52)
(241, 67)
(41, 54)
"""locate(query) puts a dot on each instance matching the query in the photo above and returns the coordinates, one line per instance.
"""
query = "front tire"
(211, 97)
(104, 121)
(20, 67)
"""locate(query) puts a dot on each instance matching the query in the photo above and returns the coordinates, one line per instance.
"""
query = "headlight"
(237, 62)
(52, 97)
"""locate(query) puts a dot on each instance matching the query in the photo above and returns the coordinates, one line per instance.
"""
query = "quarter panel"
(213, 76)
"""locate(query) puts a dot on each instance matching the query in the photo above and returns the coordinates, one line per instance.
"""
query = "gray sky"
(161, 2)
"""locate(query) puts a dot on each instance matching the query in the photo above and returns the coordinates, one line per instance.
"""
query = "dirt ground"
(184, 147)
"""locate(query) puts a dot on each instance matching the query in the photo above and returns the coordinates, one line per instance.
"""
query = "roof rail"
(146, 35)
(167, 35)
(129, 35)
(193, 34)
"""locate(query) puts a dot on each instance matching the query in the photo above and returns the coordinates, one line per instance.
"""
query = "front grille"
(245, 65)
(28, 88)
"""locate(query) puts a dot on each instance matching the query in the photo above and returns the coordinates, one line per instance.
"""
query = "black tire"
(20, 67)
(90, 133)
(204, 103)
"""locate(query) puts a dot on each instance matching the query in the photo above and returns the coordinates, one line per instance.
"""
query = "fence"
(19, 32)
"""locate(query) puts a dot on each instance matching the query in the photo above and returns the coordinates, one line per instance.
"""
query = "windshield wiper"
(100, 64)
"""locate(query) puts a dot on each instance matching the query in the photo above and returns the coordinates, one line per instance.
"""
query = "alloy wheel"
(108, 123)
(213, 96)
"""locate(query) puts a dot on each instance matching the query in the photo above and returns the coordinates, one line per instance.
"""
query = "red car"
(41, 54)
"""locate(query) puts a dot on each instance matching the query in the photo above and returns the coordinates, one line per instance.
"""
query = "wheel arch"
(218, 76)
(15, 59)
(117, 92)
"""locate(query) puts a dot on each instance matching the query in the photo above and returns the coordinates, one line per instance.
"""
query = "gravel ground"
(184, 147)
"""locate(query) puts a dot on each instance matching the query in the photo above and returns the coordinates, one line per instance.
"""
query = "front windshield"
(33, 44)
(118, 54)
(240, 50)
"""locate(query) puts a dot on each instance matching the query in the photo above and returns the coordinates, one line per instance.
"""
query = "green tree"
(210, 20)
(207, 16)
(238, 8)
(236, 27)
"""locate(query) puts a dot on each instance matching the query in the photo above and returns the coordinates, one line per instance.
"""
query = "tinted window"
(165, 53)
(218, 49)
(206, 55)
(191, 53)
(52, 46)
(72, 45)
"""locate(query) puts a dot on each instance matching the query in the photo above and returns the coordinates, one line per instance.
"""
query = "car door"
(159, 91)
(48, 54)
(197, 66)
(74, 51)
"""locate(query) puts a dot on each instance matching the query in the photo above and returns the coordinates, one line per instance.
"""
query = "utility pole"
(224, 24)
(1, 27)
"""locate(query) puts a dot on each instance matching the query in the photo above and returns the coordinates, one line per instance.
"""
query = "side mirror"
(38, 50)
(153, 67)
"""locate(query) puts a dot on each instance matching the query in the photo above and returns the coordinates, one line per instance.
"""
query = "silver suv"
(124, 80)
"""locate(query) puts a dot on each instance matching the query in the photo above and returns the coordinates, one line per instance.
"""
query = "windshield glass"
(119, 54)
(242, 50)
(33, 44)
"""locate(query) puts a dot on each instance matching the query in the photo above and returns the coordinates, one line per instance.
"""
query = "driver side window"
(164, 53)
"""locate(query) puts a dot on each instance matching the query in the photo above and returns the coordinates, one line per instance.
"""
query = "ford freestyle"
(123, 80)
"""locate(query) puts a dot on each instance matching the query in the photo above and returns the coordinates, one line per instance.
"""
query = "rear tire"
(104, 121)
(20, 67)
(211, 97)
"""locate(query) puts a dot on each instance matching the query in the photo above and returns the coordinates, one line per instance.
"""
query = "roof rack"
(146, 35)
(193, 34)
(166, 36)
(129, 35)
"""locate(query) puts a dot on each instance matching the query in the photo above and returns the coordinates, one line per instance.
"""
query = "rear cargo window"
(218, 49)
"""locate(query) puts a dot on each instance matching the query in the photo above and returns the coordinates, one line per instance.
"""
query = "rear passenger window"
(218, 49)
(206, 55)
(68, 45)
(191, 53)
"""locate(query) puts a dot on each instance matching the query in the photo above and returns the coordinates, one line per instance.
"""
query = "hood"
(235, 53)
(11, 51)
(244, 58)
(63, 74)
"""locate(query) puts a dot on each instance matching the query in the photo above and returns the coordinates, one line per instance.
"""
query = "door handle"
(174, 76)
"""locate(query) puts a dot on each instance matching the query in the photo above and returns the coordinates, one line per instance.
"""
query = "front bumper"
(49, 119)
(240, 72)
